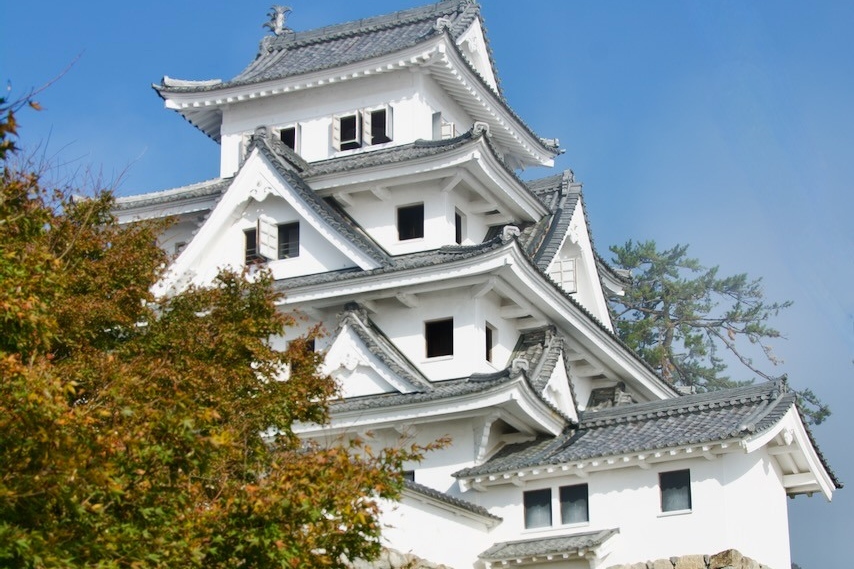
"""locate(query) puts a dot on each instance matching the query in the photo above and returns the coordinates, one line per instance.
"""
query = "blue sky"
(726, 125)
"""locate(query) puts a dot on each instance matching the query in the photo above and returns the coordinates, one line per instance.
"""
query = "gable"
(472, 43)
(258, 200)
(574, 268)
(358, 370)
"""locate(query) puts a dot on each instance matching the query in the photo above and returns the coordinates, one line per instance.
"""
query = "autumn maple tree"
(158, 432)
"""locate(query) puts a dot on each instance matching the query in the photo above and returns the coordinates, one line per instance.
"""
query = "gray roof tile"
(453, 501)
(691, 419)
(512, 550)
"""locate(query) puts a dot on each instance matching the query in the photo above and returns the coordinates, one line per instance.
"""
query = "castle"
(373, 168)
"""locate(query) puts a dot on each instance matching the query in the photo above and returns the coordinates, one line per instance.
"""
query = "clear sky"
(727, 125)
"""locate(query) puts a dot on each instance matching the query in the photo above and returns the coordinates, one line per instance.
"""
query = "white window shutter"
(388, 123)
(366, 123)
(268, 237)
(336, 133)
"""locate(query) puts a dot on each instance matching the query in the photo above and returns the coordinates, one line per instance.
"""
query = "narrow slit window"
(458, 227)
(490, 341)
(439, 337)
(410, 222)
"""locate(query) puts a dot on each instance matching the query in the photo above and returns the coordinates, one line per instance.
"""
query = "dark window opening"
(538, 508)
(573, 504)
(409, 475)
(489, 342)
(288, 136)
(675, 490)
(410, 222)
(288, 240)
(379, 127)
(439, 336)
(458, 228)
(252, 255)
(350, 132)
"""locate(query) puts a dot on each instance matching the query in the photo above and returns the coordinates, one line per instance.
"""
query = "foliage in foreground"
(130, 427)
(682, 317)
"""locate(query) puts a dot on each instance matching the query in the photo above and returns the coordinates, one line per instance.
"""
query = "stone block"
(690, 562)
(660, 564)
(725, 559)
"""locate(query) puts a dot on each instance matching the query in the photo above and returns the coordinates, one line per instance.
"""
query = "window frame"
(295, 127)
(251, 256)
(490, 334)
(570, 502)
(528, 512)
(338, 141)
(557, 271)
(368, 124)
(436, 344)
(292, 244)
(677, 482)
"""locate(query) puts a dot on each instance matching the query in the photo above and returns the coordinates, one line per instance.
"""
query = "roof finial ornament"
(278, 15)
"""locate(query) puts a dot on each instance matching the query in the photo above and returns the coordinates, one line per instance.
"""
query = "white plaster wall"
(434, 533)
(405, 327)
(737, 502)
(314, 108)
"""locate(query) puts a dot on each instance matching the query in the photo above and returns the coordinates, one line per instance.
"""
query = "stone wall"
(729, 559)
(391, 559)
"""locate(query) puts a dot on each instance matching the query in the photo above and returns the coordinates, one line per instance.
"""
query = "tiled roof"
(569, 544)
(214, 187)
(561, 196)
(451, 500)
(302, 52)
(692, 419)
(386, 156)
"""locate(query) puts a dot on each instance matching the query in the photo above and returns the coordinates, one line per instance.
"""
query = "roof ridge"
(353, 27)
(681, 405)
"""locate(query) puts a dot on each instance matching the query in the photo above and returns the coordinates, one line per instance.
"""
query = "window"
(459, 227)
(563, 273)
(410, 222)
(288, 136)
(573, 504)
(251, 254)
(439, 336)
(409, 475)
(538, 508)
(347, 131)
(288, 240)
(378, 125)
(490, 341)
(442, 129)
(675, 490)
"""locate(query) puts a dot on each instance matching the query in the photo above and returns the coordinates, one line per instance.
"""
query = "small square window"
(439, 336)
(538, 508)
(573, 504)
(289, 240)
(409, 475)
(347, 131)
(563, 273)
(675, 490)
(410, 222)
